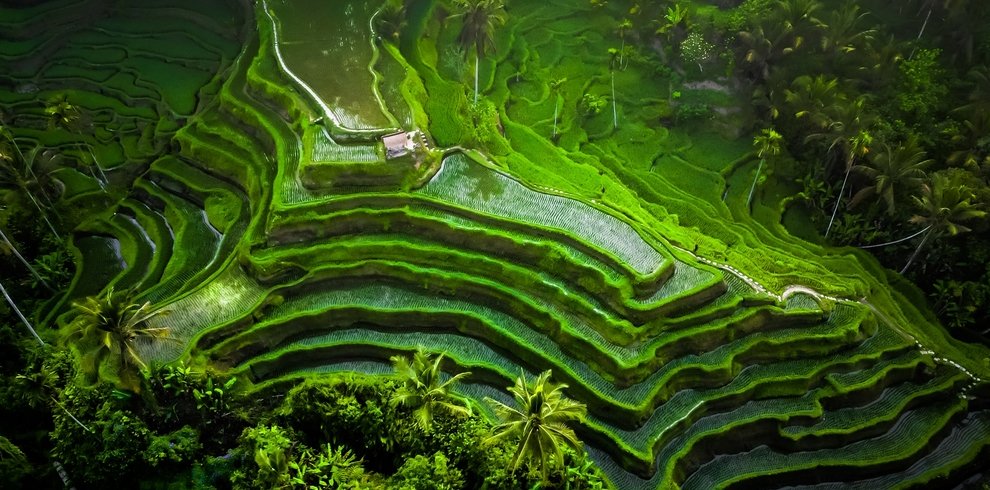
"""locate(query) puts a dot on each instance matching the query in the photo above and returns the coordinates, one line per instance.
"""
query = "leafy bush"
(592, 105)
(181, 446)
(331, 468)
(268, 448)
(424, 473)
(352, 410)
(14, 465)
(923, 88)
(202, 401)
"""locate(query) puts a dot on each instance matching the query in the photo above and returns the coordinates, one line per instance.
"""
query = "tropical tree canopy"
(539, 421)
(62, 114)
(105, 334)
(945, 205)
(481, 18)
(893, 172)
(423, 388)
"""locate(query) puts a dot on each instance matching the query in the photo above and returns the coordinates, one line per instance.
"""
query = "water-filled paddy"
(330, 50)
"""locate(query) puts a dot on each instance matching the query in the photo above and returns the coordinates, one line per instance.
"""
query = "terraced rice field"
(694, 374)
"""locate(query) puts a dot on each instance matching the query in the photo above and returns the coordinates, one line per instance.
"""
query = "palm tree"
(624, 27)
(767, 144)
(891, 172)
(856, 147)
(673, 24)
(979, 96)
(539, 421)
(391, 19)
(39, 386)
(12, 178)
(944, 205)
(613, 56)
(105, 334)
(842, 33)
(974, 150)
(64, 115)
(765, 44)
(883, 57)
(423, 388)
(481, 18)
(835, 118)
(816, 100)
(17, 311)
(555, 88)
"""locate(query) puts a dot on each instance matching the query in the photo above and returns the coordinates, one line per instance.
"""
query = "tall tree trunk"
(753, 187)
(30, 170)
(925, 23)
(20, 257)
(899, 240)
(97, 163)
(839, 199)
(917, 250)
(67, 412)
(17, 311)
(477, 62)
(41, 211)
(615, 114)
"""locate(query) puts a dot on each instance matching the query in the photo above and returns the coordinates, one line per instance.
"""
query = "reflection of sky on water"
(327, 45)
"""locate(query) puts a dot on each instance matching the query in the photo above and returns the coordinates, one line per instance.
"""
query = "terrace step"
(160, 234)
(527, 243)
(597, 305)
(507, 333)
(196, 241)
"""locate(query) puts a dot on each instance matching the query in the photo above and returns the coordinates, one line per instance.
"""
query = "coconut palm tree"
(13, 178)
(481, 18)
(613, 57)
(38, 387)
(105, 334)
(62, 114)
(883, 56)
(391, 19)
(854, 148)
(945, 205)
(973, 144)
(891, 172)
(624, 27)
(423, 388)
(836, 119)
(767, 144)
(817, 100)
(539, 421)
(765, 45)
(842, 33)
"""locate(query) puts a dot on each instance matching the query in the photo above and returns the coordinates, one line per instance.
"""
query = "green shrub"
(425, 473)
(334, 467)
(264, 454)
(14, 465)
(352, 410)
(181, 446)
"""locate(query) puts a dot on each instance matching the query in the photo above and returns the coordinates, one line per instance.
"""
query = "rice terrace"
(447, 244)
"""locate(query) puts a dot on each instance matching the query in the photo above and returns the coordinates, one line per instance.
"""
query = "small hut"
(400, 144)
